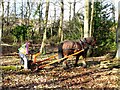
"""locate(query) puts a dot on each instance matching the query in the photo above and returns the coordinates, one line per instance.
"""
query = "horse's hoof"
(35, 70)
(76, 65)
(65, 68)
(55, 64)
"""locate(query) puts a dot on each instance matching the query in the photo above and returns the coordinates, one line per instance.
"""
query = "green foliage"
(53, 29)
(103, 23)
(74, 28)
(20, 32)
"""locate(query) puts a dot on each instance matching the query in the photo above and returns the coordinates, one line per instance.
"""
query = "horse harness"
(83, 43)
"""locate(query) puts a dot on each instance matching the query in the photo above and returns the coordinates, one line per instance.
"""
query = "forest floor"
(99, 74)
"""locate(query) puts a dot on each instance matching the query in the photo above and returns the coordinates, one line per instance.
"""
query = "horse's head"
(90, 41)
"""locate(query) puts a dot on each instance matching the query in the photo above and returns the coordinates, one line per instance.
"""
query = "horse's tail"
(60, 51)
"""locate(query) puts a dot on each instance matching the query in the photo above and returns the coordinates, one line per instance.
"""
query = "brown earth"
(94, 76)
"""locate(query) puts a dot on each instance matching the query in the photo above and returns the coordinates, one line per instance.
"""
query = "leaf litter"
(57, 77)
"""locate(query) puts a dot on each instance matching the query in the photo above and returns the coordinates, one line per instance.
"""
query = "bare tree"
(74, 4)
(8, 8)
(118, 34)
(86, 19)
(45, 30)
(15, 10)
(1, 26)
(54, 12)
(60, 31)
(28, 10)
(69, 14)
(2, 16)
(70, 11)
(91, 19)
(40, 15)
(22, 11)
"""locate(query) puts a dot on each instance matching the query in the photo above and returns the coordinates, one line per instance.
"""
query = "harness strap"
(82, 44)
(85, 41)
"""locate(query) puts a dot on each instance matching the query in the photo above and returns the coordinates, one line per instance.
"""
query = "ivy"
(20, 32)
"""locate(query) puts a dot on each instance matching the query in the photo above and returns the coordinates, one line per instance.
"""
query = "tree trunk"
(45, 31)
(40, 16)
(28, 12)
(15, 10)
(54, 13)
(86, 19)
(15, 40)
(69, 14)
(74, 4)
(22, 11)
(118, 34)
(51, 25)
(2, 17)
(91, 19)
(1, 32)
(74, 18)
(54, 24)
(21, 20)
(70, 11)
(8, 8)
(60, 31)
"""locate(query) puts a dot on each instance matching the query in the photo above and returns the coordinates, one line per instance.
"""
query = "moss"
(7, 68)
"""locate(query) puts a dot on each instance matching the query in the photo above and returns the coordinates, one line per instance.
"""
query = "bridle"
(85, 41)
(90, 43)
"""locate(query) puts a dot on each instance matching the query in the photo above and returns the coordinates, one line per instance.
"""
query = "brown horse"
(69, 47)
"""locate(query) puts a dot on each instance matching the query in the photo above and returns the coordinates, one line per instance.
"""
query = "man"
(23, 51)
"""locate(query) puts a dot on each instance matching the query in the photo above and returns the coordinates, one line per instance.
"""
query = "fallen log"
(109, 64)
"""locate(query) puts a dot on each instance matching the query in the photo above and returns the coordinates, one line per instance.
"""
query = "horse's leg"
(84, 60)
(84, 63)
(65, 64)
(76, 61)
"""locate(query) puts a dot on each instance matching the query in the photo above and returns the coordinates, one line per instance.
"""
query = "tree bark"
(86, 19)
(70, 11)
(54, 16)
(1, 29)
(40, 16)
(2, 16)
(45, 30)
(118, 34)
(91, 19)
(8, 8)
(22, 10)
(15, 10)
(28, 12)
(60, 31)
(74, 4)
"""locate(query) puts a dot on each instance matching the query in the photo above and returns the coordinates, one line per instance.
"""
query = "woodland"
(47, 23)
